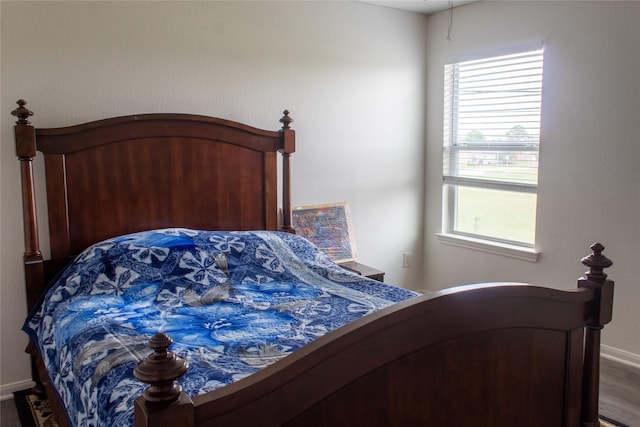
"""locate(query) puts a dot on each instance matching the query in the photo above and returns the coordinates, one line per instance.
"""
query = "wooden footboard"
(480, 355)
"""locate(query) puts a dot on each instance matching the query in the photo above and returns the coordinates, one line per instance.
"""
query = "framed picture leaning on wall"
(329, 227)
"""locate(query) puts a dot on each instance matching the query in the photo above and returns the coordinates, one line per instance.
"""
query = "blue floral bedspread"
(233, 302)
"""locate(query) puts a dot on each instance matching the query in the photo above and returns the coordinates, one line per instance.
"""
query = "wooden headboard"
(121, 175)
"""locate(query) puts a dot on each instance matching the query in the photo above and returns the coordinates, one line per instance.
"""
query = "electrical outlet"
(406, 260)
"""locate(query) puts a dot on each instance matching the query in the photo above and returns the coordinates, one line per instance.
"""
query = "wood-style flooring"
(620, 392)
(9, 414)
(619, 396)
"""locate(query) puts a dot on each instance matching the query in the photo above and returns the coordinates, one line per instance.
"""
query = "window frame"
(452, 181)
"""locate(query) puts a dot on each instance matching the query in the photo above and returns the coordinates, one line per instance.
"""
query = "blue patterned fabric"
(233, 302)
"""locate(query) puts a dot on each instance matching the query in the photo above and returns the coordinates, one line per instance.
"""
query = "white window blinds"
(491, 140)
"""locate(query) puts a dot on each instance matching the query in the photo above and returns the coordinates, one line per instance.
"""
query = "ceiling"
(420, 6)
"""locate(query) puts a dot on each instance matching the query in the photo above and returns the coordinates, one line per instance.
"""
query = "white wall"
(589, 185)
(353, 76)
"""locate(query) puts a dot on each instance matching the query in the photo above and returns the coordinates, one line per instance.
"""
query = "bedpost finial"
(160, 342)
(596, 263)
(161, 369)
(22, 113)
(286, 120)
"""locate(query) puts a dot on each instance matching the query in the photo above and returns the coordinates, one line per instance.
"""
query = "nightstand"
(363, 270)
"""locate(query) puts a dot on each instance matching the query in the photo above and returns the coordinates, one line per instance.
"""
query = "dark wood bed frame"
(480, 355)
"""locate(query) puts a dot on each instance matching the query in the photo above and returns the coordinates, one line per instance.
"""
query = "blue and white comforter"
(233, 302)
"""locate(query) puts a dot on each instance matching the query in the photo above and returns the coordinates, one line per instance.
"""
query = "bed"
(157, 219)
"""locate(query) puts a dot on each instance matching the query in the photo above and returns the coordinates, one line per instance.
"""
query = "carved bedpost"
(26, 151)
(289, 148)
(163, 403)
(25, 136)
(597, 280)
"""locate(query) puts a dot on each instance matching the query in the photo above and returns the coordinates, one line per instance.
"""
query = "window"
(491, 141)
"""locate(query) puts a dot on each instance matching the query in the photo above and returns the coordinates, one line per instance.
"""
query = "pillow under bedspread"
(233, 302)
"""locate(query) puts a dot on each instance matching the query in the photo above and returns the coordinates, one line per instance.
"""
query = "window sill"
(512, 251)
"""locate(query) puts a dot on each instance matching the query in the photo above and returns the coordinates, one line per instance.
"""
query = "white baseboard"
(7, 390)
(621, 356)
